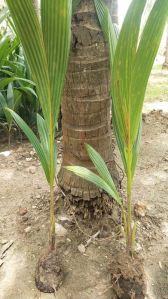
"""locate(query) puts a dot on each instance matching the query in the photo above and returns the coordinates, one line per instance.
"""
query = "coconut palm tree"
(86, 102)
(131, 61)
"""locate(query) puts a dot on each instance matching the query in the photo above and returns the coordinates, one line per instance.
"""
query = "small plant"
(17, 89)
(15, 81)
(131, 60)
(12, 99)
(46, 43)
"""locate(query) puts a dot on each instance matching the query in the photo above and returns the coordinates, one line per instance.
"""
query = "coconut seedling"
(132, 55)
(46, 43)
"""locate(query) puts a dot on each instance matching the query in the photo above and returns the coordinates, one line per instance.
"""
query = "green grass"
(157, 89)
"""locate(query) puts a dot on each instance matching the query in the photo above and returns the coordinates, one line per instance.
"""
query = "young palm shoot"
(46, 43)
(131, 61)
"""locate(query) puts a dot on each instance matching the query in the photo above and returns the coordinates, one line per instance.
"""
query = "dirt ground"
(23, 190)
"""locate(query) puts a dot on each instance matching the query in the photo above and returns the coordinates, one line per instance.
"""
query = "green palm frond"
(95, 179)
(110, 30)
(46, 46)
(34, 141)
(56, 14)
(101, 167)
(131, 60)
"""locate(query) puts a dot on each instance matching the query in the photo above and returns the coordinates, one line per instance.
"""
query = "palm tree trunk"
(86, 116)
(115, 11)
(113, 7)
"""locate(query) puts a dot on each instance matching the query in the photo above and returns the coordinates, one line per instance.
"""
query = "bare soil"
(24, 214)
(128, 277)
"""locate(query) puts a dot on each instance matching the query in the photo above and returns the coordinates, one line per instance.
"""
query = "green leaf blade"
(108, 28)
(34, 141)
(56, 26)
(30, 33)
(4, 82)
(95, 179)
(44, 134)
(146, 53)
(4, 49)
(4, 104)
(101, 167)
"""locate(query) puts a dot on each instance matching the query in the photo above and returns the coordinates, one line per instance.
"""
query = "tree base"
(127, 277)
(48, 275)
(92, 209)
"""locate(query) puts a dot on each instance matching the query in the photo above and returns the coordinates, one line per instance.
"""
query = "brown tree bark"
(113, 8)
(115, 11)
(86, 112)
